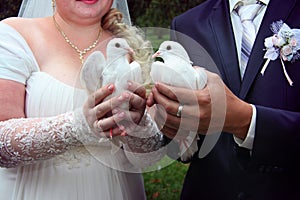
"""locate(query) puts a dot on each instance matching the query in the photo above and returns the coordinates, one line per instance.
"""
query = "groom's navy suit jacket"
(271, 170)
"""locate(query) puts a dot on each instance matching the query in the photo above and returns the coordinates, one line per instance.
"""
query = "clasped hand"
(109, 118)
(213, 109)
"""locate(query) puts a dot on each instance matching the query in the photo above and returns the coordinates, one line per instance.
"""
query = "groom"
(257, 158)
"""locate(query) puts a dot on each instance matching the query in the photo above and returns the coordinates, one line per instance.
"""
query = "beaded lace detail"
(145, 144)
(27, 140)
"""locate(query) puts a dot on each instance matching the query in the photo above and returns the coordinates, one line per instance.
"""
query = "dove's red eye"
(169, 47)
(118, 45)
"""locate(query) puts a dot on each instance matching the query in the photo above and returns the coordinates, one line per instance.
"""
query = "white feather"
(91, 72)
(177, 70)
(118, 70)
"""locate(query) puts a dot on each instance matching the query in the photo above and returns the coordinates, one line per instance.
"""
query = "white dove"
(177, 70)
(98, 71)
(117, 69)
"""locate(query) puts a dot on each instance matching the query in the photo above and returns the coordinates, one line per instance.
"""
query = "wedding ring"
(180, 107)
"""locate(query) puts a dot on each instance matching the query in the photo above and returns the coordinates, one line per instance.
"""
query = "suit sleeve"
(277, 137)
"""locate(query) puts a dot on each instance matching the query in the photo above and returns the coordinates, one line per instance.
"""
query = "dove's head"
(117, 47)
(171, 49)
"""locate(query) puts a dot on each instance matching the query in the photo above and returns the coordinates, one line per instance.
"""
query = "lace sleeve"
(145, 144)
(25, 141)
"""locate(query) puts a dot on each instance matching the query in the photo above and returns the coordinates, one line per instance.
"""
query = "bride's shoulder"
(25, 25)
(29, 28)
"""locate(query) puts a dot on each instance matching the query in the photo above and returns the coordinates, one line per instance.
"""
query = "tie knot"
(248, 12)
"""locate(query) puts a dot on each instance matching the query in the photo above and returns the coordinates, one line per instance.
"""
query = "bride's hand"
(135, 97)
(97, 112)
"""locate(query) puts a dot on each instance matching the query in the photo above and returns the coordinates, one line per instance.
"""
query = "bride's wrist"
(82, 131)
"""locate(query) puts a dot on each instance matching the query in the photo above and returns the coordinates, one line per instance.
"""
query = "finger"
(128, 117)
(136, 105)
(121, 101)
(136, 102)
(158, 114)
(189, 119)
(137, 88)
(100, 95)
(169, 132)
(102, 109)
(106, 124)
(182, 95)
(113, 132)
(150, 100)
(129, 123)
(169, 105)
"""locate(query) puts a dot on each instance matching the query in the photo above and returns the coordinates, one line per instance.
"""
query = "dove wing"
(201, 77)
(136, 72)
(91, 72)
(160, 72)
(178, 71)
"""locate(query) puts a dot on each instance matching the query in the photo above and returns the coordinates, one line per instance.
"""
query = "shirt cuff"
(248, 142)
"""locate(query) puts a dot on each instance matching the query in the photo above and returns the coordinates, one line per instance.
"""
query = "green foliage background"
(158, 13)
(144, 13)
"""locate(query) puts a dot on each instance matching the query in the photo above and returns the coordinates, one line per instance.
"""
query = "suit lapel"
(224, 37)
(256, 59)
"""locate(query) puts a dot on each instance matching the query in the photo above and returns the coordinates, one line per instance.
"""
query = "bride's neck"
(78, 30)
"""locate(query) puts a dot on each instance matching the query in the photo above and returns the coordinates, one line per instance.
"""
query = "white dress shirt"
(238, 32)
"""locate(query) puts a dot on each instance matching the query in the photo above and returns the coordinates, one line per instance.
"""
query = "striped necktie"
(247, 13)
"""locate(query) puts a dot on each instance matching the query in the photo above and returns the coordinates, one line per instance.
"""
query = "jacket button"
(242, 196)
(268, 169)
(261, 169)
(277, 169)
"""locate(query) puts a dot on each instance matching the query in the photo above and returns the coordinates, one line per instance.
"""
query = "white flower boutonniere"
(284, 44)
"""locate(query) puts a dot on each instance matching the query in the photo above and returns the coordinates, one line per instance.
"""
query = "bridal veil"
(43, 8)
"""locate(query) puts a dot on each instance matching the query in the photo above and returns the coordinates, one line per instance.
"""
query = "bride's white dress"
(74, 174)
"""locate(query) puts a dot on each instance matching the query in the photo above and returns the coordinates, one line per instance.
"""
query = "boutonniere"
(284, 44)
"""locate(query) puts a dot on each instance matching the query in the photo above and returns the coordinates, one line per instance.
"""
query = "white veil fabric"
(43, 8)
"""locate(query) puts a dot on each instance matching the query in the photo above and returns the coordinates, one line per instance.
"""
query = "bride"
(46, 116)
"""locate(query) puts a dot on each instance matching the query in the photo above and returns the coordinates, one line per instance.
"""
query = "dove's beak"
(130, 51)
(157, 54)
(130, 54)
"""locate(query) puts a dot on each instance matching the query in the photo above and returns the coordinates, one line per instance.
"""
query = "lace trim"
(27, 140)
(145, 145)
(74, 158)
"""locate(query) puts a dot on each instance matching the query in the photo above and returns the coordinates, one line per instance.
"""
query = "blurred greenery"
(144, 13)
(9, 8)
(166, 183)
(157, 13)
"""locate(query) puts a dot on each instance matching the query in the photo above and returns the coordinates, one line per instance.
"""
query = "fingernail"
(121, 115)
(120, 98)
(111, 87)
(126, 95)
(129, 83)
(122, 128)
(115, 111)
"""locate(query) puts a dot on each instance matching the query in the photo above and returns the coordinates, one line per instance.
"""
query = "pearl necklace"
(80, 52)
